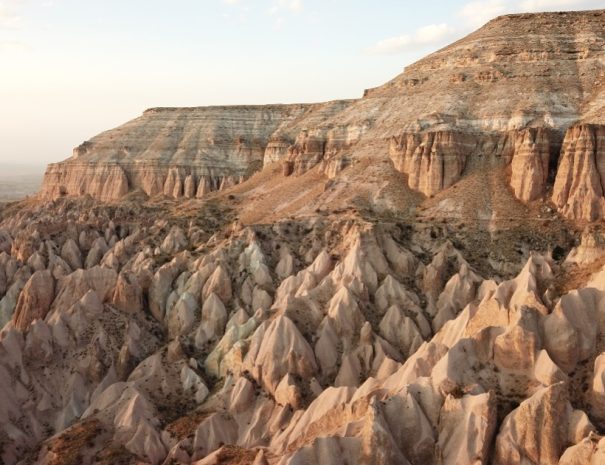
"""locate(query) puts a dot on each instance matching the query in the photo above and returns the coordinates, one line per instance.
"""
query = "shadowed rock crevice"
(406, 278)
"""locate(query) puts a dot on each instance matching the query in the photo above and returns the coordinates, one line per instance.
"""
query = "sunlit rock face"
(164, 149)
(277, 338)
(578, 190)
(488, 96)
(182, 152)
(416, 277)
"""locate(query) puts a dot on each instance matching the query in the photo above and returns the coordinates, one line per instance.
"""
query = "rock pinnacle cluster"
(416, 277)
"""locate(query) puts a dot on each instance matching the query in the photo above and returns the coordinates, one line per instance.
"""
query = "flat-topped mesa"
(506, 93)
(497, 93)
(182, 152)
(161, 150)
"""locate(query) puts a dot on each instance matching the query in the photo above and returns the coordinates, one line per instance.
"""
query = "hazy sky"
(70, 69)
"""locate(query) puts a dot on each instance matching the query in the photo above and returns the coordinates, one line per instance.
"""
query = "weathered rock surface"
(531, 162)
(35, 299)
(390, 301)
(433, 161)
(485, 101)
(181, 152)
(394, 348)
(536, 431)
(578, 190)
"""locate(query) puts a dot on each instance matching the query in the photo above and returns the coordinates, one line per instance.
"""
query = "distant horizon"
(10, 170)
(72, 70)
(24, 165)
(18, 180)
(17, 170)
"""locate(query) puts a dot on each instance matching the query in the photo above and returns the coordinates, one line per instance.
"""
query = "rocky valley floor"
(416, 277)
(175, 333)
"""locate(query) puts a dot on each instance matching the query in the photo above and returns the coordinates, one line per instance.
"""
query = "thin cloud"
(9, 46)
(294, 6)
(282, 7)
(12, 24)
(9, 19)
(424, 36)
(473, 15)
(549, 5)
(477, 13)
(239, 11)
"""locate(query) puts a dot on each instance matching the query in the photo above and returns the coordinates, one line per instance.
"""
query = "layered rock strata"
(181, 152)
(336, 316)
(530, 165)
(434, 161)
(578, 190)
(510, 91)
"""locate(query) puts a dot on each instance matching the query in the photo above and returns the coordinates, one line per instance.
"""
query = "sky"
(70, 69)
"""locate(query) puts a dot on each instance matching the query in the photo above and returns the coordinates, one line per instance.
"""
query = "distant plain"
(19, 181)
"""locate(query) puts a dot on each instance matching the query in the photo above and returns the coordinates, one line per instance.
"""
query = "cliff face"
(405, 294)
(578, 190)
(433, 161)
(508, 93)
(103, 181)
(520, 81)
(184, 152)
(327, 146)
(530, 163)
(164, 148)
